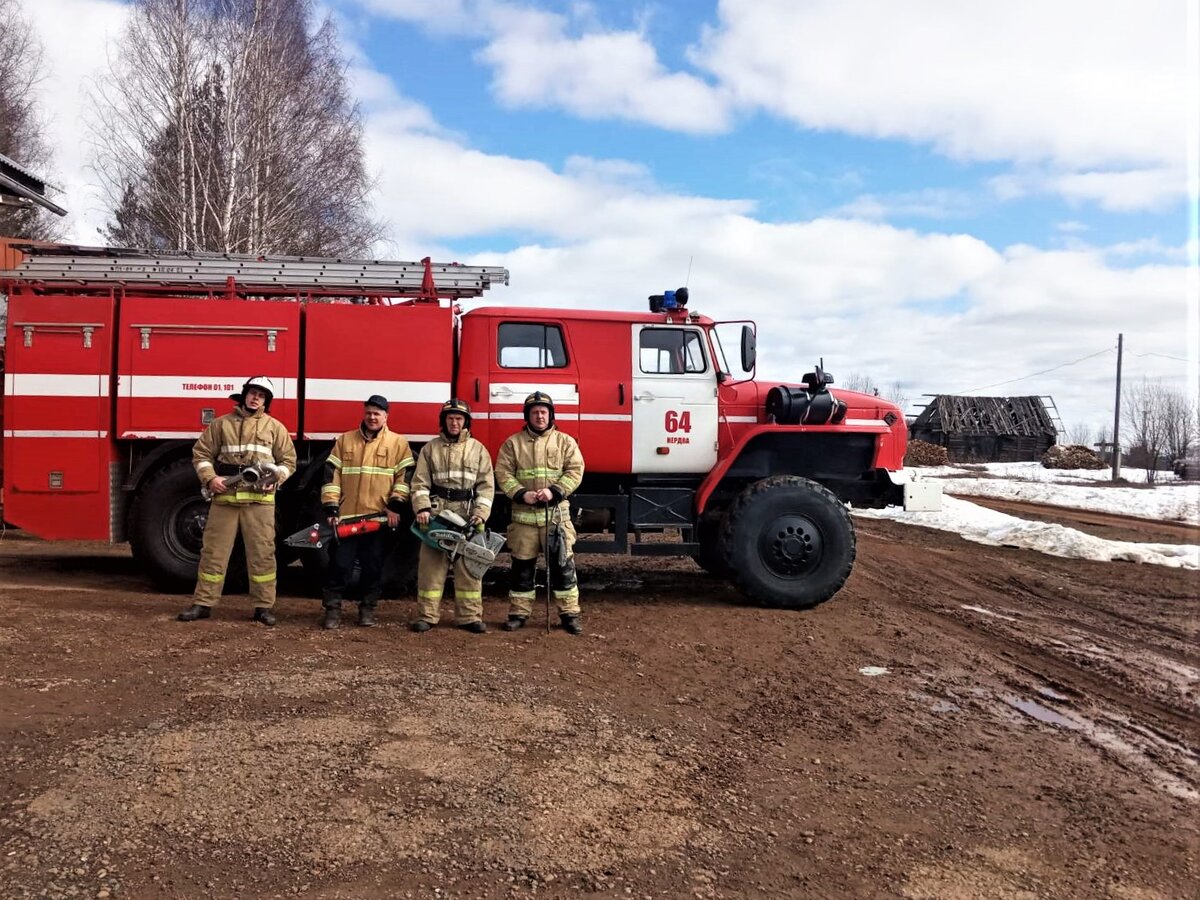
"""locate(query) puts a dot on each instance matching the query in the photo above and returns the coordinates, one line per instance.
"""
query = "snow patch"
(987, 526)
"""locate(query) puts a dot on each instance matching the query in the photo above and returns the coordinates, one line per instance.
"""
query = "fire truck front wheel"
(789, 542)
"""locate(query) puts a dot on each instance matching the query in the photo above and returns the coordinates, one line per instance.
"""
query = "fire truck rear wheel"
(789, 542)
(167, 530)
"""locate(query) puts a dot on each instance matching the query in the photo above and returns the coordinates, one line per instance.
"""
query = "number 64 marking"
(677, 421)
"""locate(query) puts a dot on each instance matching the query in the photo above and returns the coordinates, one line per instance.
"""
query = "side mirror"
(749, 348)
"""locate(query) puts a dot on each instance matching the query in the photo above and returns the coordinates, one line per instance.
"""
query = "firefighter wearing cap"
(247, 436)
(364, 475)
(454, 472)
(538, 468)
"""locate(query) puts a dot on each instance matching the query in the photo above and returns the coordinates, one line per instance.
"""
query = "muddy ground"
(1035, 734)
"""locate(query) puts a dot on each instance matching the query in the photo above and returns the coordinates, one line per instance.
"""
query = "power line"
(1043, 372)
(1164, 356)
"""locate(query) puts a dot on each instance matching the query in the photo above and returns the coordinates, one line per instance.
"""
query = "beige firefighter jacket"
(367, 476)
(528, 462)
(241, 438)
(454, 465)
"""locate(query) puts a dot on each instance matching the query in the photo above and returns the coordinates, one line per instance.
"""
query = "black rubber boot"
(420, 626)
(333, 618)
(194, 612)
(474, 627)
(264, 615)
(571, 624)
(514, 623)
(366, 616)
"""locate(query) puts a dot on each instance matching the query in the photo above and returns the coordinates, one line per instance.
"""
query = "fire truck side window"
(671, 351)
(531, 345)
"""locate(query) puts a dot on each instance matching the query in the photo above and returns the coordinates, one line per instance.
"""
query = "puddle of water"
(1035, 710)
(982, 610)
(1122, 737)
(873, 670)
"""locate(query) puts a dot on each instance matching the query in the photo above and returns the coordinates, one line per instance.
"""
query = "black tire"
(789, 542)
(166, 530)
(711, 556)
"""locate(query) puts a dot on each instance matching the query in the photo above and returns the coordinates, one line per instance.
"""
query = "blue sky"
(938, 196)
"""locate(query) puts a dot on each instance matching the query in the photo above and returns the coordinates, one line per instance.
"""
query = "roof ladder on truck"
(67, 269)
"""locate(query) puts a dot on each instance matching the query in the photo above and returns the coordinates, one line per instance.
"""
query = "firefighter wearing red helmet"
(538, 468)
(364, 475)
(245, 438)
(454, 473)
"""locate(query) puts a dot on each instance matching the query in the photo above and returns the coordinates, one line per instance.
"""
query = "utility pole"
(1116, 462)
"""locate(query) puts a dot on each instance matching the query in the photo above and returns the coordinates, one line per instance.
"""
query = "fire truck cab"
(116, 360)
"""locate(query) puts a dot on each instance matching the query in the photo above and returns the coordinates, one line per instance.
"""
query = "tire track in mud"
(1063, 671)
(969, 586)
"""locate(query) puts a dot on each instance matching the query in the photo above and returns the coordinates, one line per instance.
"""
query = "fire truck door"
(531, 356)
(674, 400)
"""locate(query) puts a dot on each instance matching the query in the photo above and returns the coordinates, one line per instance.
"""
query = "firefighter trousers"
(524, 542)
(431, 582)
(370, 552)
(256, 521)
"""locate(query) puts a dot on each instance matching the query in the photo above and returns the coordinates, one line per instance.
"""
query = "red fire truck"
(117, 359)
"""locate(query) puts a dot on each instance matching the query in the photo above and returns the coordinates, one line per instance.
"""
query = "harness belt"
(454, 495)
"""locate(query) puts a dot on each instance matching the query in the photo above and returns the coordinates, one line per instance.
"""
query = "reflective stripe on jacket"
(456, 465)
(528, 462)
(240, 438)
(363, 476)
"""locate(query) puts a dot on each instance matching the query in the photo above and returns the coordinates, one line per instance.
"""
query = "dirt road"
(1035, 734)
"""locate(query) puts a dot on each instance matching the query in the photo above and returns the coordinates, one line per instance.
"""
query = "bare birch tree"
(21, 125)
(1144, 413)
(865, 384)
(226, 125)
(1179, 423)
(1080, 433)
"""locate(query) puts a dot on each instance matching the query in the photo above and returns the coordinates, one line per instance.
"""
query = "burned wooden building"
(987, 429)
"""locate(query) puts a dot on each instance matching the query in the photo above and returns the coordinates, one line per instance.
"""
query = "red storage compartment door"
(404, 352)
(181, 359)
(57, 416)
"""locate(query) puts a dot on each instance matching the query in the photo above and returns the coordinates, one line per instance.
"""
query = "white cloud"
(598, 75)
(1078, 82)
(1129, 190)
(74, 34)
(931, 203)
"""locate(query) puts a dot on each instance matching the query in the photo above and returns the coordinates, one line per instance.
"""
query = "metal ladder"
(82, 266)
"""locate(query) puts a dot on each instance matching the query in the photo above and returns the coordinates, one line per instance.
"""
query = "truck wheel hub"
(790, 546)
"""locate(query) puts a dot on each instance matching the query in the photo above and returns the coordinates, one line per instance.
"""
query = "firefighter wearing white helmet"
(538, 468)
(246, 437)
(454, 473)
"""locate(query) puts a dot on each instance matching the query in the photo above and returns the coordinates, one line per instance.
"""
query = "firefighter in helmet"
(247, 438)
(454, 473)
(364, 475)
(538, 468)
